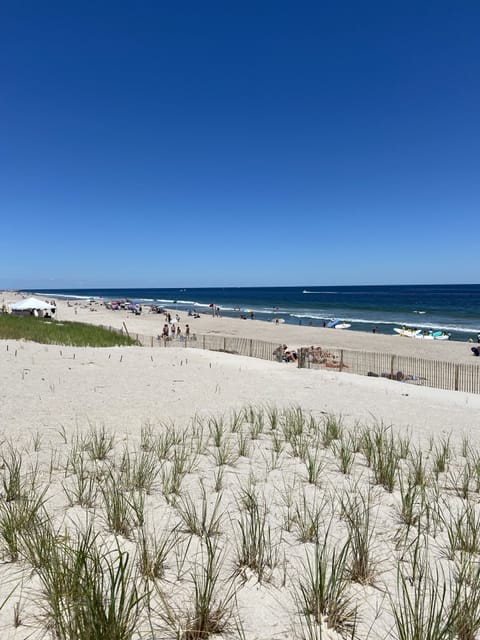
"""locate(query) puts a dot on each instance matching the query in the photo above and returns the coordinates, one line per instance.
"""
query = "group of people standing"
(172, 330)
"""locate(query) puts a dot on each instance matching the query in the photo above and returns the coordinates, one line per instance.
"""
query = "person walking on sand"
(187, 330)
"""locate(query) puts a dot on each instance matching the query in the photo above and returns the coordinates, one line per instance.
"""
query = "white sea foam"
(393, 323)
(331, 293)
(66, 296)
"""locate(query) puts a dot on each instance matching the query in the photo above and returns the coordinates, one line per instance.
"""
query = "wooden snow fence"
(429, 373)
(408, 369)
(211, 342)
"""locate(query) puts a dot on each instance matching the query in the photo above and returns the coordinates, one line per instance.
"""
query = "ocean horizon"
(451, 308)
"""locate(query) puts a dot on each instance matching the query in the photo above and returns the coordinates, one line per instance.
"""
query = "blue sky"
(239, 143)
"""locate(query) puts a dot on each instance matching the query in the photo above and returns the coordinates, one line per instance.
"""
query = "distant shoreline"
(453, 309)
(151, 324)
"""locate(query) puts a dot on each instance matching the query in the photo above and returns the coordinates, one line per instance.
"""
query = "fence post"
(301, 358)
(251, 347)
(151, 342)
(392, 362)
(456, 377)
(224, 343)
(203, 341)
(340, 368)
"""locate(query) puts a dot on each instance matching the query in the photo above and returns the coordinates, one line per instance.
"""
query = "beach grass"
(173, 534)
(323, 588)
(45, 331)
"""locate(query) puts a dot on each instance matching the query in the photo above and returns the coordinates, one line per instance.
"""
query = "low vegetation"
(201, 530)
(75, 334)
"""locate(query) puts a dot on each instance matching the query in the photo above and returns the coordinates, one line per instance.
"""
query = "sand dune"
(258, 442)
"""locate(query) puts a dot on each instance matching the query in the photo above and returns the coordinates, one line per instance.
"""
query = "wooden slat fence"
(227, 344)
(429, 373)
(419, 371)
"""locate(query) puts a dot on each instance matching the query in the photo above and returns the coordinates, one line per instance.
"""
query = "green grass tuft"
(75, 334)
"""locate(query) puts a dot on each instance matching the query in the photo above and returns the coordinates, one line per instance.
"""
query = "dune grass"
(168, 533)
(75, 334)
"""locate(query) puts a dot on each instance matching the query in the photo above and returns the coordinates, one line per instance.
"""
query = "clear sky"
(202, 143)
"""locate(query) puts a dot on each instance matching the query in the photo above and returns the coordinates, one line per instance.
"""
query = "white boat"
(434, 335)
(338, 324)
(418, 334)
(444, 336)
(406, 332)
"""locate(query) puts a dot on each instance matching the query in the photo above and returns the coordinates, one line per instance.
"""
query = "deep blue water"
(452, 308)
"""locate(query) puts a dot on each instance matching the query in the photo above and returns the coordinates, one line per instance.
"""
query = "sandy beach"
(251, 429)
(245, 402)
(294, 336)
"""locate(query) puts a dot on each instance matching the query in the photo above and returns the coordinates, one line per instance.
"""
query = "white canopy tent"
(31, 304)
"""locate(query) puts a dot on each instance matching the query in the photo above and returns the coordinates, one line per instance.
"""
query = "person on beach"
(278, 353)
(315, 355)
(290, 356)
(283, 354)
(187, 330)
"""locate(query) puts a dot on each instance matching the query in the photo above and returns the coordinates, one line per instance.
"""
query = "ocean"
(451, 308)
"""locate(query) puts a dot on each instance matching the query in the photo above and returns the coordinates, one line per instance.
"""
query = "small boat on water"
(338, 324)
(418, 334)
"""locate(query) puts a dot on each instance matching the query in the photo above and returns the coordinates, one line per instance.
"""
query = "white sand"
(293, 335)
(46, 386)
(54, 391)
